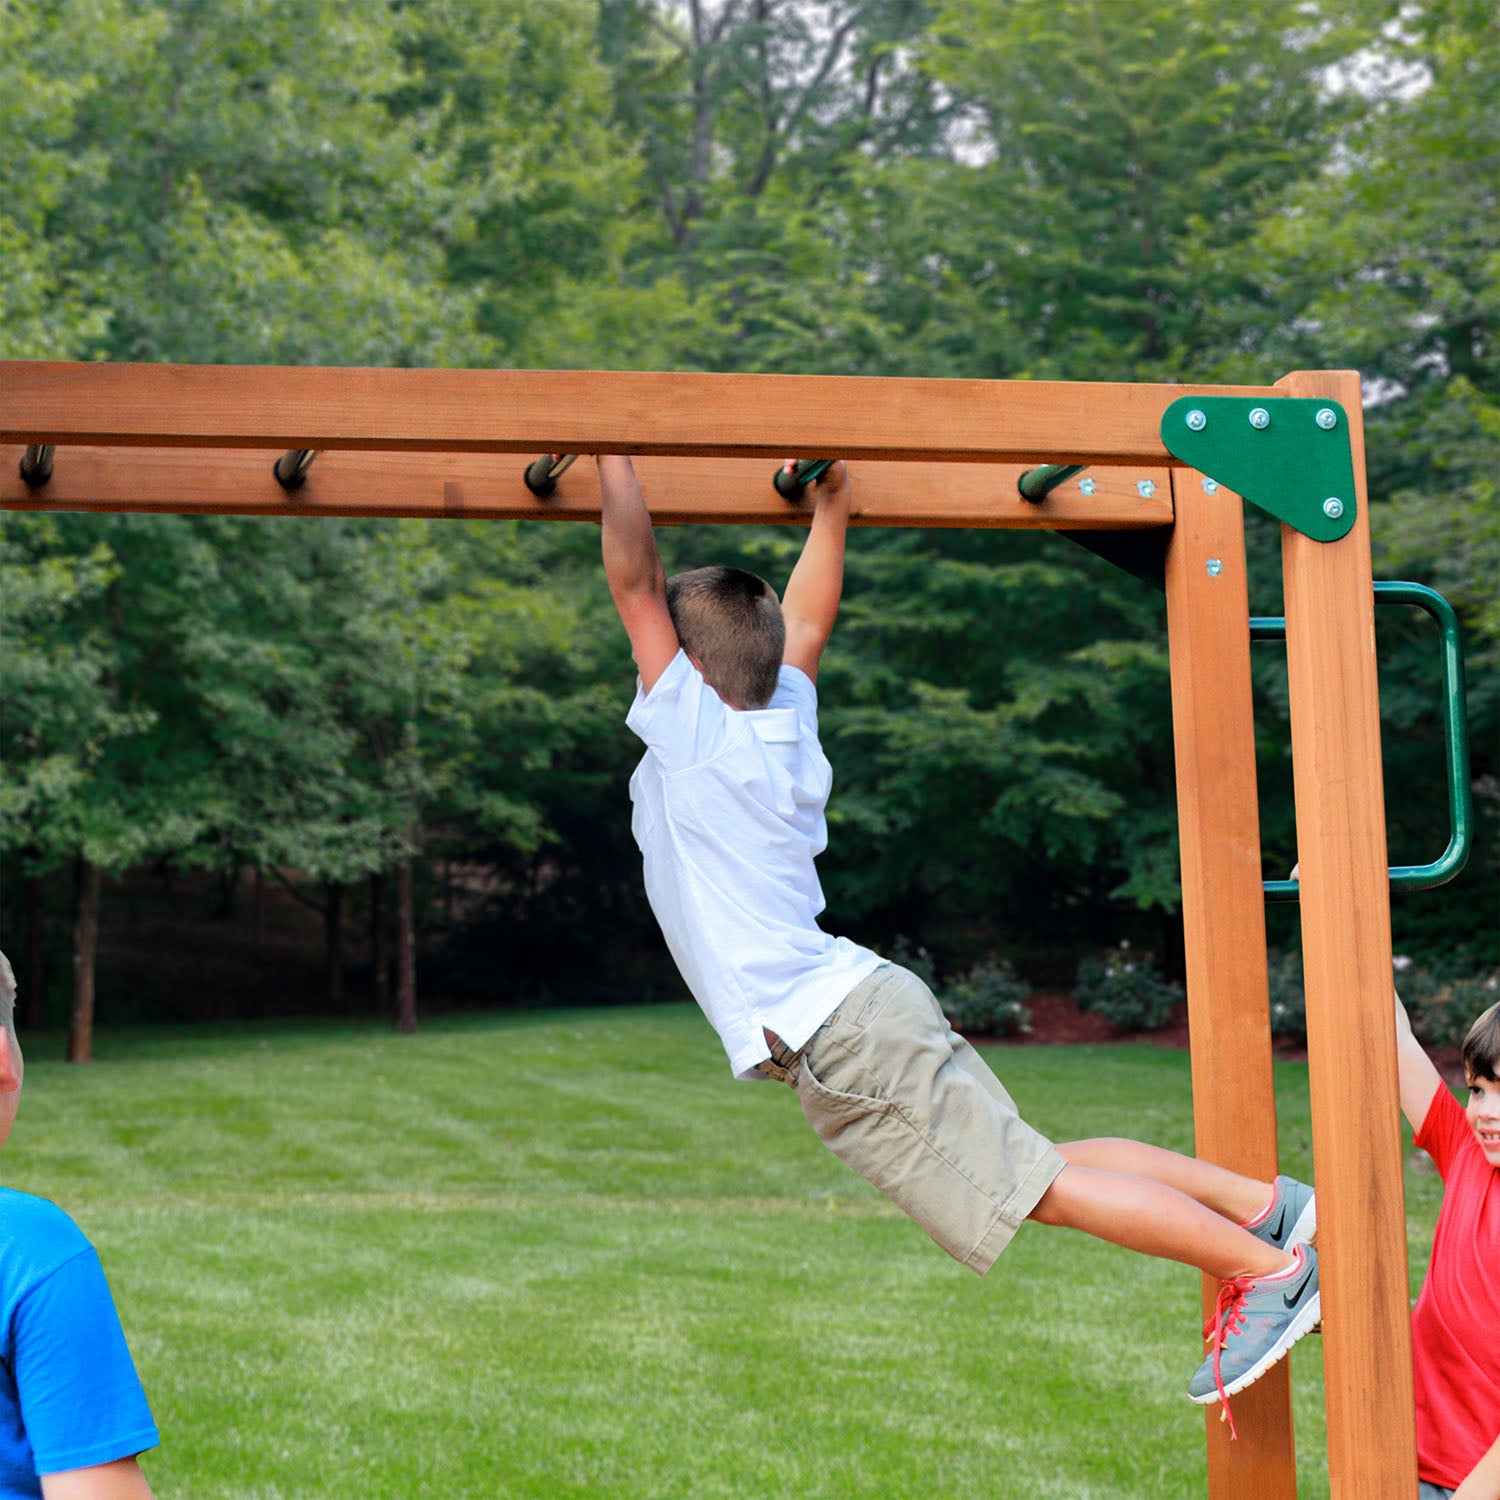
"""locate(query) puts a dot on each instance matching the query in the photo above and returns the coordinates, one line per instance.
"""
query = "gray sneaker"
(1292, 1219)
(1254, 1325)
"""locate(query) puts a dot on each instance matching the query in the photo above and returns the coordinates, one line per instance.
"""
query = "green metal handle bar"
(543, 473)
(1455, 739)
(790, 484)
(1036, 484)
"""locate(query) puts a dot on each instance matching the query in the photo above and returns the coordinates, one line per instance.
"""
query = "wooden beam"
(1224, 921)
(238, 481)
(541, 411)
(1346, 955)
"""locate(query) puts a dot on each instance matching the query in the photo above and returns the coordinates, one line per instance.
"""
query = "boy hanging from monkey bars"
(729, 805)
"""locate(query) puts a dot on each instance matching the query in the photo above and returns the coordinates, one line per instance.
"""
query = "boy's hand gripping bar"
(791, 484)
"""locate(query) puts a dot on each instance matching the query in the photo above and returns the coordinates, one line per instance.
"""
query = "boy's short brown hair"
(730, 620)
(1481, 1050)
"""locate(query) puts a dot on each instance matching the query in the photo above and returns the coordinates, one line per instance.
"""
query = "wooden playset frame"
(194, 439)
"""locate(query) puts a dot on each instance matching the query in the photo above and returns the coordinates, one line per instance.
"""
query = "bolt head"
(1145, 488)
(1210, 486)
(1215, 566)
(1196, 420)
(1333, 507)
(1327, 418)
(1260, 417)
(1088, 486)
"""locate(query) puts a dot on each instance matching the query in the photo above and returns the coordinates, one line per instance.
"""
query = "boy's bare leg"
(1238, 1198)
(1150, 1217)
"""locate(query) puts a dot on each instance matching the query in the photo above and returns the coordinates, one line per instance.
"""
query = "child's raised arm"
(1419, 1079)
(811, 602)
(632, 566)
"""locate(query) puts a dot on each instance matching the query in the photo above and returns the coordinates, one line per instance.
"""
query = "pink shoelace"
(1229, 1314)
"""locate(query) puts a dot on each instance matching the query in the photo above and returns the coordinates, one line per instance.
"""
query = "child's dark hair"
(1481, 1050)
(731, 621)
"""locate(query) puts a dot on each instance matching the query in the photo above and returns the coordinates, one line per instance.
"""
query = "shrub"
(1442, 1006)
(916, 958)
(1126, 990)
(1288, 999)
(989, 1000)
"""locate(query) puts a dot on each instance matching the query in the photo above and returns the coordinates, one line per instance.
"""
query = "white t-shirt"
(728, 812)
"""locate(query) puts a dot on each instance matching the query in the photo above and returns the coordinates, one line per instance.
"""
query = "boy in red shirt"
(1456, 1322)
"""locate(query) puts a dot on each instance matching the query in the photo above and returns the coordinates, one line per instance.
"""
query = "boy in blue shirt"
(73, 1416)
(728, 810)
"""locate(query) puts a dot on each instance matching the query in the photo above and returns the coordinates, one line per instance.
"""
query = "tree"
(1385, 261)
(113, 769)
(1112, 139)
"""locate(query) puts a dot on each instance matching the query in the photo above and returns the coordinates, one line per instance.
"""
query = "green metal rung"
(1287, 455)
(791, 484)
(1036, 484)
(1455, 739)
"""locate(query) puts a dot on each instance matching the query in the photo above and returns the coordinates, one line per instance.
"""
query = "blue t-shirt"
(69, 1394)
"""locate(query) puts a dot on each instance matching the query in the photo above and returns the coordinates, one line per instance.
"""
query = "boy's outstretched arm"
(810, 604)
(632, 566)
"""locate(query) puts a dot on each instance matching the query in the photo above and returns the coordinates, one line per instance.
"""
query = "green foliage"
(980, 188)
(56, 664)
(1125, 988)
(988, 1000)
(1116, 140)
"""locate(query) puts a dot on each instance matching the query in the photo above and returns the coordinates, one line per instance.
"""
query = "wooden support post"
(1346, 948)
(1234, 1098)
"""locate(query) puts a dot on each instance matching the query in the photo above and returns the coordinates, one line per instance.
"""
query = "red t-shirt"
(1456, 1322)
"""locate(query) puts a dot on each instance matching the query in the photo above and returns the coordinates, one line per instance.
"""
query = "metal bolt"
(1215, 567)
(1145, 488)
(1260, 417)
(1333, 507)
(1327, 418)
(1088, 486)
(1196, 420)
(1210, 486)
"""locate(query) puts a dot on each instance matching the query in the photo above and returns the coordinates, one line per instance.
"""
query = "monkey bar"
(242, 481)
(1168, 460)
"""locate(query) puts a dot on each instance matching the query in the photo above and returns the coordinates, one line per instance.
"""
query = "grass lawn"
(564, 1254)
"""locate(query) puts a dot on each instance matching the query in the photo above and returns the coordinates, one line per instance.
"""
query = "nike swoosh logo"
(1291, 1299)
(1276, 1233)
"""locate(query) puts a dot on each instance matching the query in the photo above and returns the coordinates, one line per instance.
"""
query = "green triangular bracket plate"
(1288, 455)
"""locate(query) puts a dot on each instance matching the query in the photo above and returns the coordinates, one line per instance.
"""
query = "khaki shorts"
(901, 1098)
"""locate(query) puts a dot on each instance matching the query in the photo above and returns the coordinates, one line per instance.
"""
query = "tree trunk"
(34, 995)
(85, 951)
(406, 952)
(258, 915)
(333, 926)
(380, 959)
